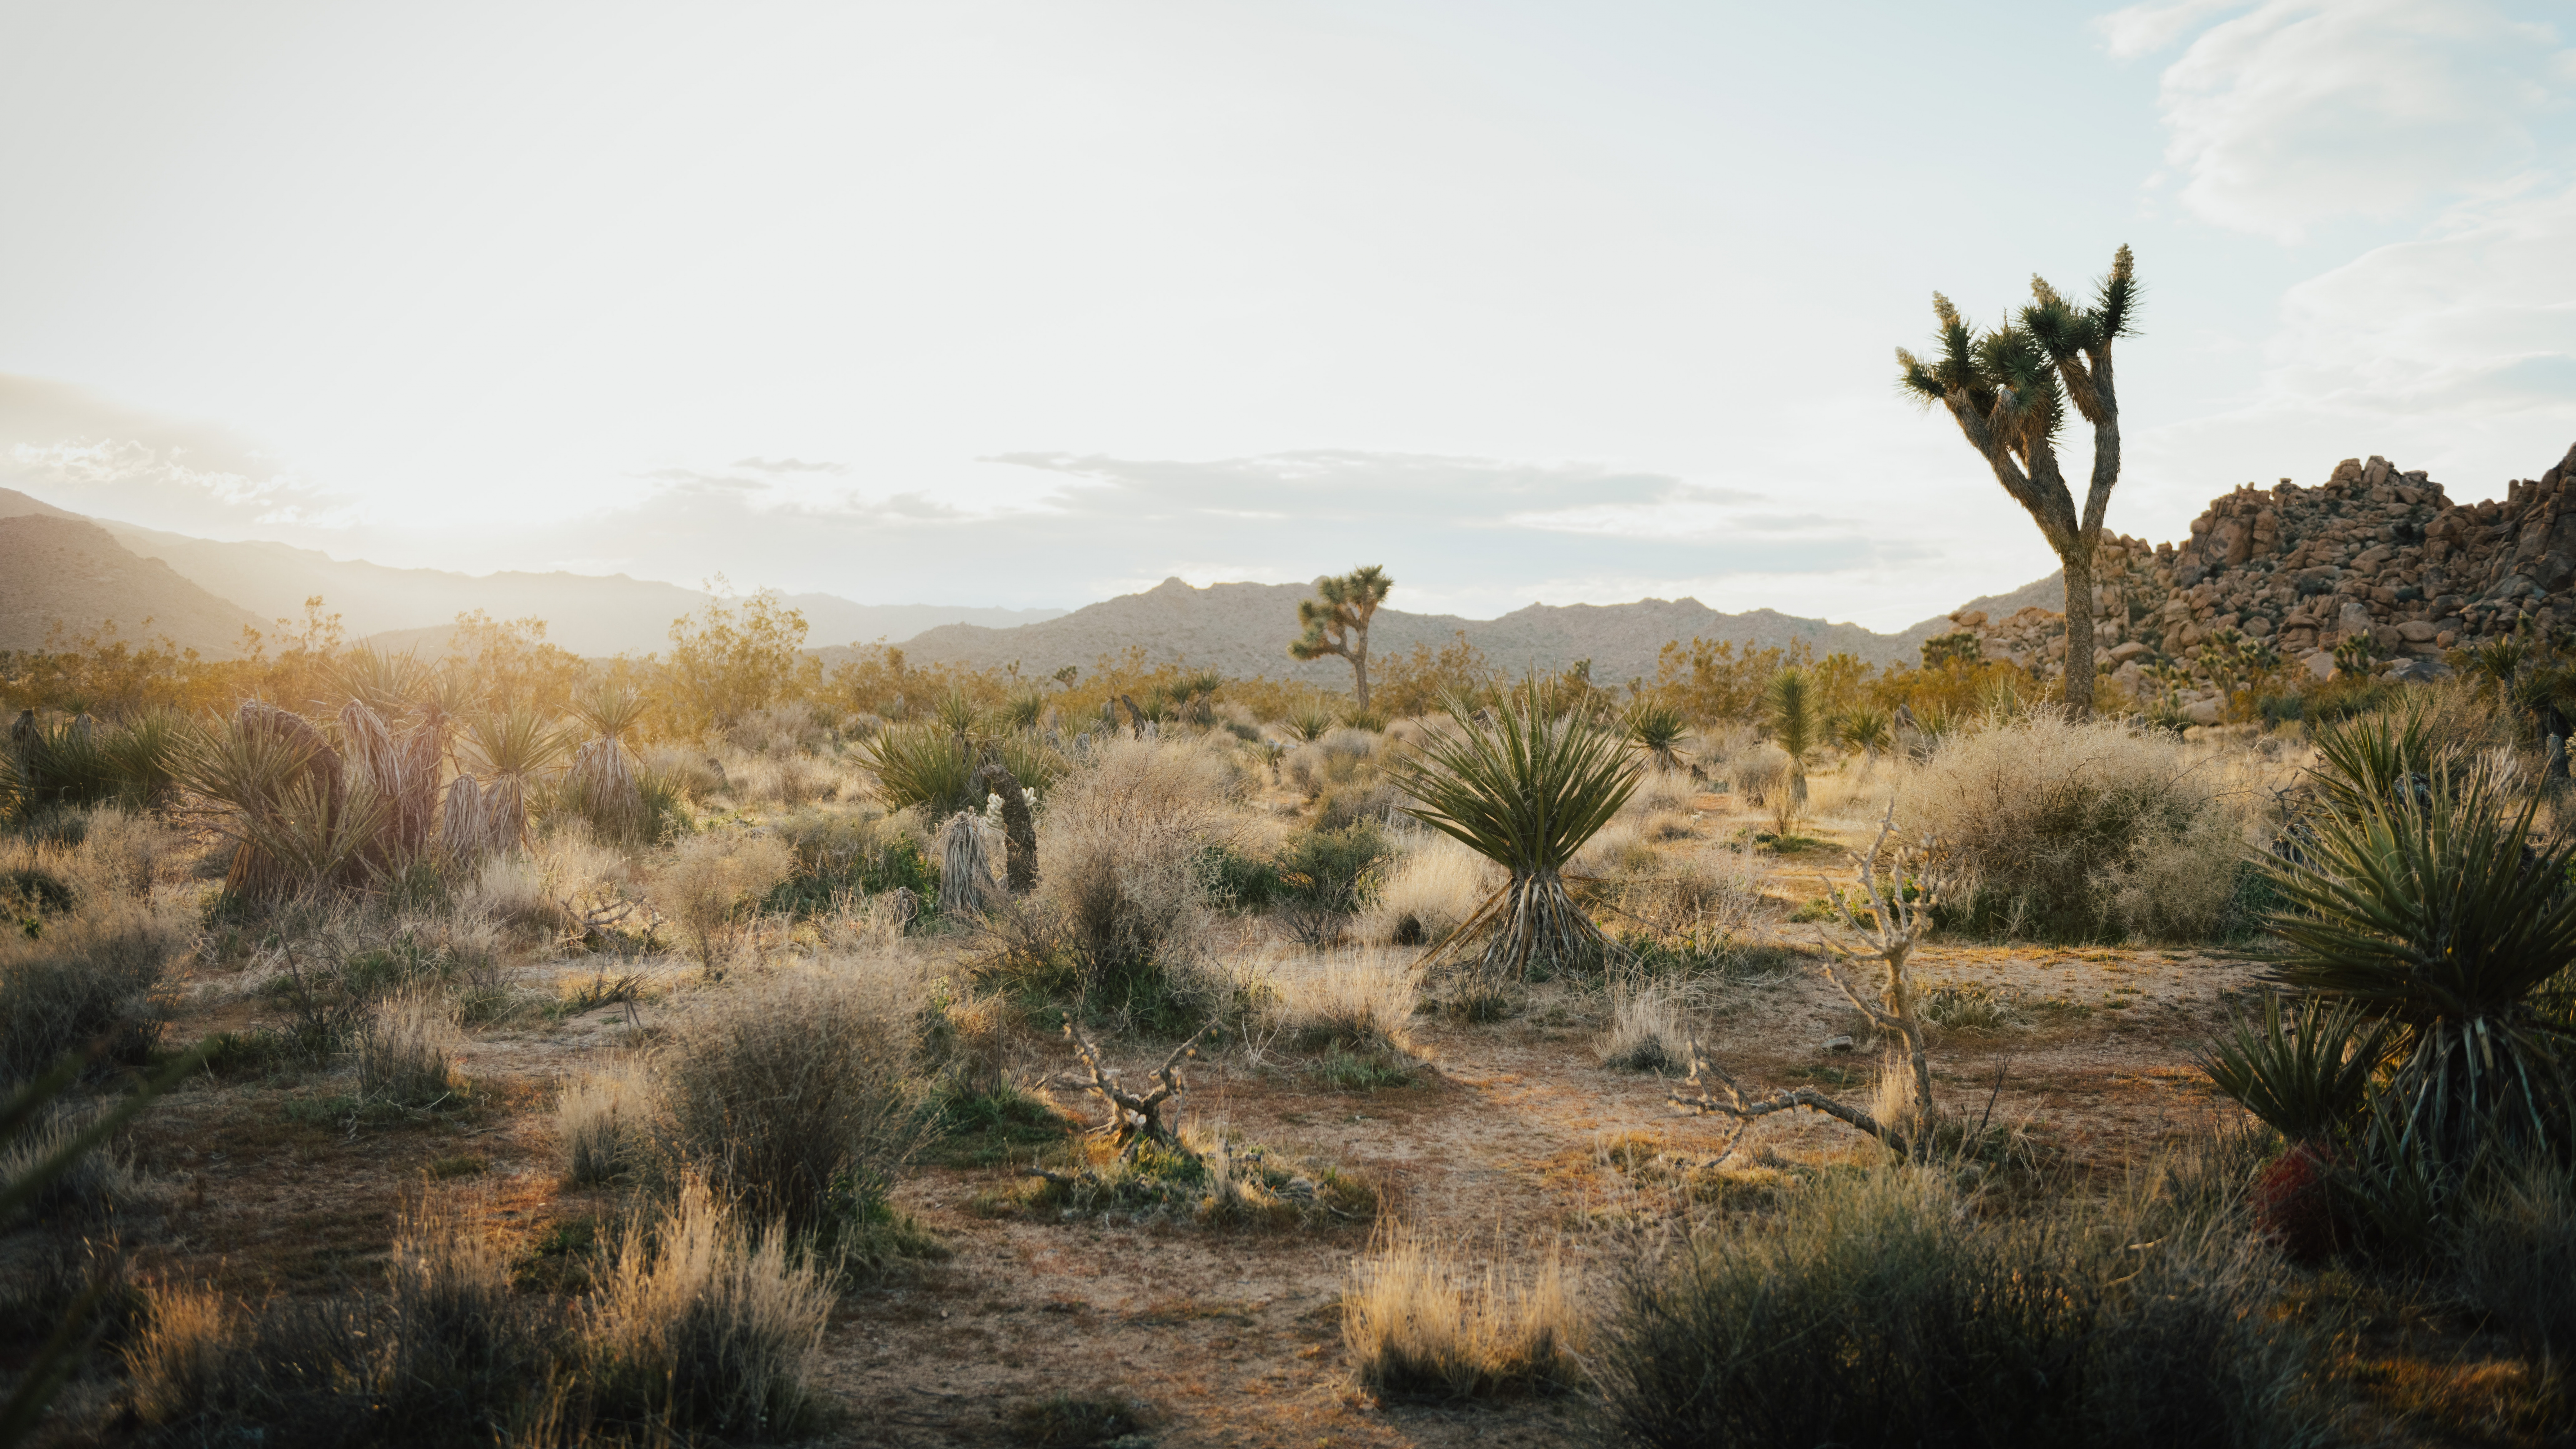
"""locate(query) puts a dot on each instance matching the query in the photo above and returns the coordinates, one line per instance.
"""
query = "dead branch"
(1896, 925)
(1134, 1119)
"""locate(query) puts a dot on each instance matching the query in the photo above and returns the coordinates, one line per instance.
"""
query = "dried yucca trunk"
(404, 769)
(604, 779)
(965, 865)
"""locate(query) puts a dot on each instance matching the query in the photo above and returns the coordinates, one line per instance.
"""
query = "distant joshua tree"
(2008, 389)
(1337, 621)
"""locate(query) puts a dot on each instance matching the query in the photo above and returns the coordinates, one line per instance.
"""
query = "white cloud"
(2144, 29)
(2307, 111)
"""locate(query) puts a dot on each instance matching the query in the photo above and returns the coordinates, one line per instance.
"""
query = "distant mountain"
(57, 568)
(1244, 629)
(585, 613)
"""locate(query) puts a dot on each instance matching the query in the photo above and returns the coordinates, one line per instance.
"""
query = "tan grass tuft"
(406, 1047)
(1414, 1330)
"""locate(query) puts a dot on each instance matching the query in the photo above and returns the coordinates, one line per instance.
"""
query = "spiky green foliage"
(958, 715)
(1656, 730)
(2428, 911)
(80, 762)
(1789, 708)
(1336, 621)
(1307, 723)
(1866, 727)
(609, 708)
(1024, 710)
(1031, 761)
(1524, 788)
(516, 740)
(2306, 1071)
(381, 679)
(926, 766)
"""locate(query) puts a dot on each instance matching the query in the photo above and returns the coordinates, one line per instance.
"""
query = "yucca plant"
(601, 785)
(1866, 727)
(1030, 760)
(281, 793)
(924, 765)
(2427, 910)
(2379, 757)
(510, 745)
(381, 679)
(1307, 723)
(1789, 707)
(1525, 790)
(2304, 1066)
(1656, 730)
(958, 715)
(1024, 710)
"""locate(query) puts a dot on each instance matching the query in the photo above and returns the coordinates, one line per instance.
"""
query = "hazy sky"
(1033, 303)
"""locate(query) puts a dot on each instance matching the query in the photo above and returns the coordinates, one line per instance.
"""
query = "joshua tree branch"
(1134, 1119)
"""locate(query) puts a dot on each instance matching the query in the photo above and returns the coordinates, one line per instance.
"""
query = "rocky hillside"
(2374, 550)
(1244, 629)
(58, 569)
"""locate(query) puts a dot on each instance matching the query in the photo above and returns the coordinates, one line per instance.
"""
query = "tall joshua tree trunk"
(2008, 389)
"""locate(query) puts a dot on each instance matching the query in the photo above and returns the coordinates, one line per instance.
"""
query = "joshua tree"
(1337, 621)
(2008, 390)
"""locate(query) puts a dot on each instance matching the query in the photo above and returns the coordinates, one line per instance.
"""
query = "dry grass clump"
(603, 1122)
(406, 1050)
(711, 887)
(1355, 1000)
(97, 1183)
(444, 1355)
(791, 1096)
(536, 890)
(1437, 885)
(1647, 1032)
(2043, 815)
(1414, 1329)
(695, 1330)
(88, 974)
(697, 1324)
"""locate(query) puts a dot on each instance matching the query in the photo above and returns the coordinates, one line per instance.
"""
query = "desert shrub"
(1874, 1311)
(844, 854)
(406, 1049)
(700, 1326)
(603, 1122)
(1708, 894)
(2514, 1253)
(1336, 757)
(86, 978)
(1122, 904)
(1325, 874)
(2045, 819)
(1415, 1326)
(1206, 1177)
(1429, 891)
(77, 763)
(688, 772)
(712, 887)
(791, 1098)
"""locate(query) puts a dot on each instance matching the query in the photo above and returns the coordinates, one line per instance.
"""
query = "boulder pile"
(2374, 551)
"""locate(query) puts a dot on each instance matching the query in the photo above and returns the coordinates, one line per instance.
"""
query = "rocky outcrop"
(2374, 550)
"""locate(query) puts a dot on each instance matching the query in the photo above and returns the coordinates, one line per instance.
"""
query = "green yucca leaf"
(381, 679)
(958, 715)
(924, 765)
(2427, 908)
(1520, 787)
(2306, 1073)
(609, 708)
(515, 741)
(1031, 761)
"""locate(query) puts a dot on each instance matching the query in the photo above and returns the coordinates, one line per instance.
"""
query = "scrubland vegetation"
(511, 1048)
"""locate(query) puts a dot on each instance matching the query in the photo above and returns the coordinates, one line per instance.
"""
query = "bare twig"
(1897, 924)
(1134, 1119)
